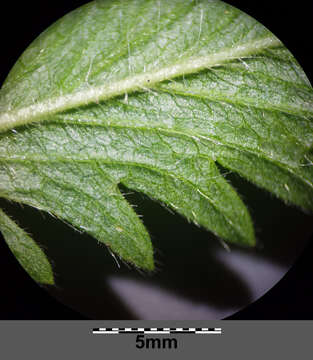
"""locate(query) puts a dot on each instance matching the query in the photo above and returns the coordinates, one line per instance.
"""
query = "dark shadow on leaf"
(82, 265)
(186, 259)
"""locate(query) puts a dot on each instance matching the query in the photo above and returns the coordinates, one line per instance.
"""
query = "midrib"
(45, 109)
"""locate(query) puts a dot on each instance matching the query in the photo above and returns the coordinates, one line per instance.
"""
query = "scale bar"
(157, 331)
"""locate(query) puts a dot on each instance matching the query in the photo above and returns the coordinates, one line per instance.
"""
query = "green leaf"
(26, 251)
(153, 95)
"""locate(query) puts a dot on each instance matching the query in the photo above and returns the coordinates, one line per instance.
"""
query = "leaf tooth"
(27, 252)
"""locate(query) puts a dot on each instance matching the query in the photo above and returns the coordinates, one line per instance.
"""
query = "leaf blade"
(153, 101)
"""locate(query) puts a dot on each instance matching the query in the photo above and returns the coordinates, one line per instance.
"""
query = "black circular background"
(21, 297)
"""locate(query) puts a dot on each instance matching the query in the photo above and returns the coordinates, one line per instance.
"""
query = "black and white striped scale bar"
(113, 331)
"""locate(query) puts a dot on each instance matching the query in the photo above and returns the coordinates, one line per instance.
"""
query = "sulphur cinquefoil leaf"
(153, 95)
